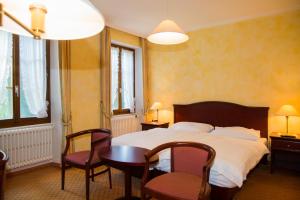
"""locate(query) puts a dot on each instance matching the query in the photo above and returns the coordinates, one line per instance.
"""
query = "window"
(122, 79)
(24, 81)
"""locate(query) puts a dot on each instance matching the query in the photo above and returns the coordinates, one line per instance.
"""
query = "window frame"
(17, 120)
(120, 111)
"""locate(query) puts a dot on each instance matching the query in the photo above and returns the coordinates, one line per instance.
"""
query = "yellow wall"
(85, 79)
(254, 62)
(124, 37)
(85, 93)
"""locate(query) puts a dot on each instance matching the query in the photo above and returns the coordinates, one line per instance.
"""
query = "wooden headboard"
(224, 114)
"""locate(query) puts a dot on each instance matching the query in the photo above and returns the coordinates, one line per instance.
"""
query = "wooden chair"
(188, 179)
(87, 160)
(3, 161)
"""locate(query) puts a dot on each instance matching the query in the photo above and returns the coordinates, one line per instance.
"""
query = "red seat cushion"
(177, 185)
(81, 157)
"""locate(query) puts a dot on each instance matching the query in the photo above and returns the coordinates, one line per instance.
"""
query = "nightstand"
(151, 125)
(285, 152)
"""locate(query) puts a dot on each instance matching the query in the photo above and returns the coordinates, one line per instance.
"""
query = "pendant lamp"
(168, 33)
(50, 19)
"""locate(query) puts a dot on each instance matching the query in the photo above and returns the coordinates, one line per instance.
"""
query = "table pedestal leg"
(127, 182)
(127, 185)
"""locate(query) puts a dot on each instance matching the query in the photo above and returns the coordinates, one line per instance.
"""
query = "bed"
(231, 167)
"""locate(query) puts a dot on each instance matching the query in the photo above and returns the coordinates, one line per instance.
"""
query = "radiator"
(122, 124)
(27, 146)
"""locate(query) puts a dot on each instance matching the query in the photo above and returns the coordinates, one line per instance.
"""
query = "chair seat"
(177, 185)
(81, 157)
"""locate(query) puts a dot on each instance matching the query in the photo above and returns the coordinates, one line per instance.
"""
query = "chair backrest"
(101, 141)
(191, 157)
(3, 161)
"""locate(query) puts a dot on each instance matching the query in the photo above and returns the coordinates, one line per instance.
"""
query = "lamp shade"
(155, 106)
(64, 19)
(167, 33)
(287, 110)
(38, 13)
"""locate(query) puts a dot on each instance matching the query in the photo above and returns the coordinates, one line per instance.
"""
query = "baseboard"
(31, 168)
(54, 164)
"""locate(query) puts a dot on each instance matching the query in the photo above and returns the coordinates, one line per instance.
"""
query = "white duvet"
(234, 157)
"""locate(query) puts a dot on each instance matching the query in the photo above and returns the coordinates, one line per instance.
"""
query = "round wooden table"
(127, 159)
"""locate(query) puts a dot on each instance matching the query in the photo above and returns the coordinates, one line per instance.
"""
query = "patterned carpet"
(261, 185)
(44, 184)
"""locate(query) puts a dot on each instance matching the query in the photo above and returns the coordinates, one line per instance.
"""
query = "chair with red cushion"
(3, 161)
(188, 179)
(87, 160)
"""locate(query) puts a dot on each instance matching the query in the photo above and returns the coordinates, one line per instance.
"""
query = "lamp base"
(154, 120)
(288, 136)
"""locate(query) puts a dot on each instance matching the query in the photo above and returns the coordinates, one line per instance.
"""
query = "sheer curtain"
(5, 73)
(127, 79)
(114, 77)
(33, 81)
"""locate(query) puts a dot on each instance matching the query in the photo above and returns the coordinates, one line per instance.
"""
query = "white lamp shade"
(287, 110)
(155, 106)
(168, 33)
(65, 19)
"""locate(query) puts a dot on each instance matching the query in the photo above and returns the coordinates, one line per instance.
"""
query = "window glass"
(24, 80)
(122, 79)
(6, 78)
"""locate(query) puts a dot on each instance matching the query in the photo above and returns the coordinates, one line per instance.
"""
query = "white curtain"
(128, 79)
(114, 77)
(5, 74)
(33, 75)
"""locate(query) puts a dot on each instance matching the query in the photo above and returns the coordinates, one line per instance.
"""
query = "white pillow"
(237, 132)
(192, 126)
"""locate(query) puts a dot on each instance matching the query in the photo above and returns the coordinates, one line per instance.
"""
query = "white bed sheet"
(234, 157)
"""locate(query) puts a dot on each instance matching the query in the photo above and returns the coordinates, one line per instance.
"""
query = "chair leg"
(93, 172)
(109, 177)
(87, 183)
(63, 171)
(144, 196)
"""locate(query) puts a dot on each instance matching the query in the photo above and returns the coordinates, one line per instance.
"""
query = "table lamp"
(156, 106)
(287, 111)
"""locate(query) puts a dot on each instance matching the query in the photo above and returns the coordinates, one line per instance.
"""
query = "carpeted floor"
(44, 184)
(261, 185)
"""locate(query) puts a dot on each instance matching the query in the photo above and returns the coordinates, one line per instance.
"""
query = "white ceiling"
(141, 16)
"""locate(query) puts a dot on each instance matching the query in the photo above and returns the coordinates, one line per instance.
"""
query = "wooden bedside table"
(151, 125)
(285, 152)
